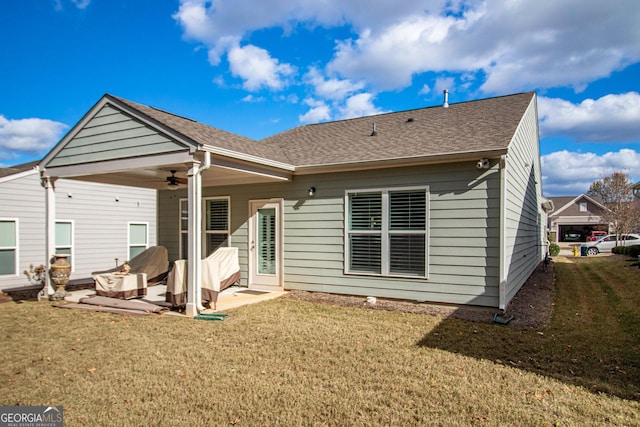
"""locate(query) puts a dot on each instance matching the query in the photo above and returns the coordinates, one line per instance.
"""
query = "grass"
(299, 363)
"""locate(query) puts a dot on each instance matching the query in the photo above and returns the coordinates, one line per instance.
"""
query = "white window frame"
(129, 244)
(15, 248)
(181, 232)
(205, 232)
(583, 207)
(385, 232)
(70, 247)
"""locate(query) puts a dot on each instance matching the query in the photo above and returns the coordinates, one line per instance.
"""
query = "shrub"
(36, 275)
(633, 251)
(618, 250)
(554, 249)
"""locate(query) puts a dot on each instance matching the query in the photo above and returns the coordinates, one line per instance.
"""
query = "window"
(583, 206)
(386, 232)
(138, 238)
(64, 239)
(215, 225)
(8, 247)
(184, 228)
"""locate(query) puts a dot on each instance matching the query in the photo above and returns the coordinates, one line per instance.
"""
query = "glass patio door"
(265, 244)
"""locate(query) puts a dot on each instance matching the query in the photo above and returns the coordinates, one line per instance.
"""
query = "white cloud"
(32, 136)
(319, 112)
(219, 81)
(331, 88)
(610, 118)
(81, 4)
(518, 45)
(257, 68)
(443, 83)
(253, 99)
(567, 173)
(291, 98)
(359, 105)
(389, 57)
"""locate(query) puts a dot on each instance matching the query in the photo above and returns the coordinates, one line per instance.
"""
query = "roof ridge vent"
(446, 99)
(374, 130)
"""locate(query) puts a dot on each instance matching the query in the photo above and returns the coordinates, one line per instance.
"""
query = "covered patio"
(228, 299)
(124, 143)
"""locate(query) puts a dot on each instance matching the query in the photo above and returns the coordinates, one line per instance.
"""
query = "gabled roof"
(14, 170)
(207, 135)
(461, 132)
(565, 203)
(472, 127)
(483, 126)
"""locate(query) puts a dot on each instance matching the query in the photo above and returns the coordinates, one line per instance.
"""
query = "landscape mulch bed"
(531, 307)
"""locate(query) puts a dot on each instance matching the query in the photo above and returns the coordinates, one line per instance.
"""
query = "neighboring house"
(434, 204)
(94, 224)
(575, 217)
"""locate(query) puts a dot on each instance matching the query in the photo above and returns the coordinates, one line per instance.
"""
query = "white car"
(607, 243)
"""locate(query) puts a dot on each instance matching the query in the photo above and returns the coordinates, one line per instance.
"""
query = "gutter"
(405, 161)
(503, 237)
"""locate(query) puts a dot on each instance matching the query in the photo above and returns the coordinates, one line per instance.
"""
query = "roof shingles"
(466, 127)
(473, 126)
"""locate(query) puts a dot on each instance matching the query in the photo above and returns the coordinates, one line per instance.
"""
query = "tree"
(617, 196)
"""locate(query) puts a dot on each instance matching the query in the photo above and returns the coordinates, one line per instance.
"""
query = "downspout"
(198, 291)
(503, 232)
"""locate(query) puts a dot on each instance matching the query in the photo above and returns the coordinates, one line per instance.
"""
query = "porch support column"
(194, 253)
(50, 234)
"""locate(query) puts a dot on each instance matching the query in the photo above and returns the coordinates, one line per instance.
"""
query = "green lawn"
(297, 363)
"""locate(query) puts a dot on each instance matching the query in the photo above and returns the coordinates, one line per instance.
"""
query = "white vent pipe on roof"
(446, 99)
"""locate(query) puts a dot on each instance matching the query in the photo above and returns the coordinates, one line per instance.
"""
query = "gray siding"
(109, 135)
(100, 223)
(524, 218)
(463, 236)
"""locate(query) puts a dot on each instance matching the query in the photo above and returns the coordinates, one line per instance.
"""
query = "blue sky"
(257, 68)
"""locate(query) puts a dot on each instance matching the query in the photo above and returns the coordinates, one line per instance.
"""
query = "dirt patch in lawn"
(531, 307)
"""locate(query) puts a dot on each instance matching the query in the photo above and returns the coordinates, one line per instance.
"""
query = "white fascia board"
(404, 161)
(19, 175)
(253, 171)
(586, 196)
(574, 201)
(567, 205)
(107, 100)
(578, 220)
(217, 151)
(117, 165)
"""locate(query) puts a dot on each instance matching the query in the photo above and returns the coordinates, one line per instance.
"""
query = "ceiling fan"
(173, 182)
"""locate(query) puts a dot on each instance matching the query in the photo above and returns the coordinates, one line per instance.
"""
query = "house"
(575, 217)
(93, 223)
(439, 204)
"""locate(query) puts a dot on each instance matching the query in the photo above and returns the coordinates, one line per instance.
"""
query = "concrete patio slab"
(230, 298)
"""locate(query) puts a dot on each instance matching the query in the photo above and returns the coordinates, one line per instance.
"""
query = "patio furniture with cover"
(147, 268)
(220, 270)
